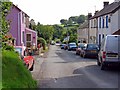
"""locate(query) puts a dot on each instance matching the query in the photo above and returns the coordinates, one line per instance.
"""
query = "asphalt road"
(64, 69)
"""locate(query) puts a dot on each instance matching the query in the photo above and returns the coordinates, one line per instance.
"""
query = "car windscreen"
(81, 46)
(72, 44)
(92, 46)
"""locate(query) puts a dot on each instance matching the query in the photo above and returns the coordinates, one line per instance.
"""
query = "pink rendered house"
(19, 28)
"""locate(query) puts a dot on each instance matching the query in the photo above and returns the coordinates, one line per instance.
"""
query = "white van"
(109, 53)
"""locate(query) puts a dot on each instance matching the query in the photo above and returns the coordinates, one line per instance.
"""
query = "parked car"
(58, 43)
(20, 50)
(27, 60)
(78, 49)
(52, 43)
(65, 46)
(62, 46)
(72, 46)
(89, 50)
(109, 53)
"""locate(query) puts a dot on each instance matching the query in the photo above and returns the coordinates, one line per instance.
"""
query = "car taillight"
(104, 55)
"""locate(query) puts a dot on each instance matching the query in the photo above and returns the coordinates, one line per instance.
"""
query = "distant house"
(107, 20)
(83, 32)
(19, 28)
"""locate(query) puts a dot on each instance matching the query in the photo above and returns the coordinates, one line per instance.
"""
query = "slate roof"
(111, 8)
(117, 32)
(84, 25)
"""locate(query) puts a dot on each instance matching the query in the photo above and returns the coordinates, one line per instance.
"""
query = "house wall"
(83, 35)
(12, 18)
(114, 22)
(104, 30)
(34, 35)
(119, 19)
(92, 30)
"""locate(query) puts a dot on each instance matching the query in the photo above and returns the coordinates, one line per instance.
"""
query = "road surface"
(64, 69)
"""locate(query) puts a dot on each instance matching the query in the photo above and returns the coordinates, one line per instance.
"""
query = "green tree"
(45, 31)
(4, 25)
(81, 19)
(4, 9)
(63, 21)
(43, 42)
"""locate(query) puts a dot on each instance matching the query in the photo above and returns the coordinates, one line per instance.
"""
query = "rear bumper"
(92, 54)
(113, 63)
(74, 49)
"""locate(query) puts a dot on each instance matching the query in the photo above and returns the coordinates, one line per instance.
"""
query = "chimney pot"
(105, 3)
(96, 11)
(89, 15)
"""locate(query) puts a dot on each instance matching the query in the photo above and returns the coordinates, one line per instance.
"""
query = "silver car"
(109, 53)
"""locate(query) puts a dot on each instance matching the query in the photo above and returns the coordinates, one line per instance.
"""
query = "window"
(23, 18)
(28, 40)
(23, 37)
(99, 39)
(95, 23)
(106, 21)
(103, 36)
(103, 23)
(28, 37)
(100, 22)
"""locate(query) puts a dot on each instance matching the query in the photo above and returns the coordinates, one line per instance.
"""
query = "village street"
(64, 69)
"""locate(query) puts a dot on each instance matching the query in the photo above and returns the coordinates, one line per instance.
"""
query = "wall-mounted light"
(33, 37)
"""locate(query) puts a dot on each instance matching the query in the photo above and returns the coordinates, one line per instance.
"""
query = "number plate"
(93, 51)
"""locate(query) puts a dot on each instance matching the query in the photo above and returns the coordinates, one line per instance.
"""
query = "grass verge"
(14, 73)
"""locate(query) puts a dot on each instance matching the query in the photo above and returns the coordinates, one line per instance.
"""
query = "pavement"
(39, 59)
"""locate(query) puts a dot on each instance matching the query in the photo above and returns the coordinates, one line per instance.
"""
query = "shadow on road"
(68, 82)
(72, 58)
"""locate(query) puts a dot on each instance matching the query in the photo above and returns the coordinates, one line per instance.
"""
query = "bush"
(42, 40)
(7, 47)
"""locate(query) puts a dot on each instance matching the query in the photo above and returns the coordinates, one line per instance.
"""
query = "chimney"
(96, 12)
(89, 15)
(105, 3)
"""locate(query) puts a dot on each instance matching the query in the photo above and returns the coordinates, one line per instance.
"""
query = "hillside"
(14, 73)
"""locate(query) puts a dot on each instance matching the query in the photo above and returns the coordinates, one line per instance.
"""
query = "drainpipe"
(88, 30)
(18, 28)
(97, 31)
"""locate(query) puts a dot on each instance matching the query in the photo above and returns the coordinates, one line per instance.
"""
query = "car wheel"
(102, 66)
(84, 55)
(80, 54)
(31, 69)
(76, 53)
(98, 62)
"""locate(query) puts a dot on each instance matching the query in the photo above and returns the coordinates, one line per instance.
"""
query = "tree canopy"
(74, 20)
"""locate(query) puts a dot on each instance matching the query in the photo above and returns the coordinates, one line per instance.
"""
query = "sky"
(52, 11)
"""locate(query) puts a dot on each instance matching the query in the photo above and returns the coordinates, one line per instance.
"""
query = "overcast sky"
(52, 11)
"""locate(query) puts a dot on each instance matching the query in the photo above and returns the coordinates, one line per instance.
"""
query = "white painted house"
(106, 21)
